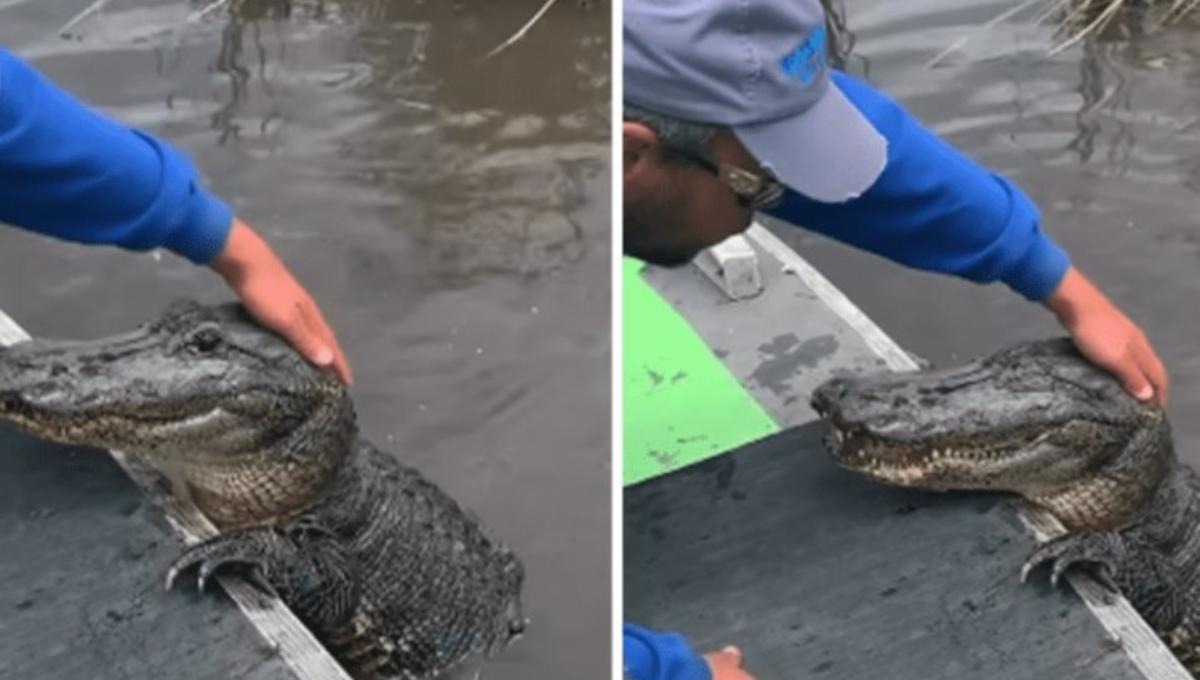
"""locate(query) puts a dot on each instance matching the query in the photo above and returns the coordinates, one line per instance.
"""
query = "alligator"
(390, 573)
(1039, 420)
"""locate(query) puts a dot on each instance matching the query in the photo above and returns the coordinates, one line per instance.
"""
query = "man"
(67, 171)
(730, 108)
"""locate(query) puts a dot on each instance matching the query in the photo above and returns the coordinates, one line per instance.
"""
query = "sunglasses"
(753, 191)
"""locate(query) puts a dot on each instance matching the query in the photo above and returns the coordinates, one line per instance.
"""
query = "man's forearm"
(1075, 297)
(70, 172)
(653, 655)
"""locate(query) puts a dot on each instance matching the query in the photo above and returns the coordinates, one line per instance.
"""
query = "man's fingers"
(310, 344)
(729, 657)
(342, 367)
(1135, 383)
(331, 356)
(727, 664)
(1129, 371)
(1154, 370)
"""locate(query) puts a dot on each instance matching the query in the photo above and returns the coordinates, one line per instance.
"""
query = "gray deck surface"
(817, 573)
(82, 556)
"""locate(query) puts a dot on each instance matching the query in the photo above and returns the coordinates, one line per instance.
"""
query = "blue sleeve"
(934, 209)
(69, 172)
(661, 656)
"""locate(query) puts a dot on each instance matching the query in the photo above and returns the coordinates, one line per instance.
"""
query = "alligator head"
(201, 392)
(1036, 419)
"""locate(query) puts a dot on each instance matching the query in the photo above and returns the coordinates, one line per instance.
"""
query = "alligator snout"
(33, 380)
(827, 395)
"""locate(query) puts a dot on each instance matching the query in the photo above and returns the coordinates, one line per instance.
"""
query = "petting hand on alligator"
(1105, 335)
(270, 293)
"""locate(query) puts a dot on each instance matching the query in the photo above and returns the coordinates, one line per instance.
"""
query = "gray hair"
(687, 136)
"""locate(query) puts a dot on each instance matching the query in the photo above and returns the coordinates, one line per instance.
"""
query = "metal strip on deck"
(284, 635)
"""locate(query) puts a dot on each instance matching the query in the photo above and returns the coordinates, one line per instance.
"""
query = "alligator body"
(1039, 420)
(390, 573)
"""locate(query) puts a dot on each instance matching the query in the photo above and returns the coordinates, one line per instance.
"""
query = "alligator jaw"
(936, 465)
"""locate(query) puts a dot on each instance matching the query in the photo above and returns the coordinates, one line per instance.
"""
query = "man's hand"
(727, 665)
(274, 297)
(1109, 338)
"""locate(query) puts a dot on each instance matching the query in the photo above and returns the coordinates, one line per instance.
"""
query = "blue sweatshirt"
(660, 656)
(934, 209)
(68, 171)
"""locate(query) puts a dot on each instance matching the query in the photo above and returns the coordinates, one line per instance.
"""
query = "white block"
(733, 265)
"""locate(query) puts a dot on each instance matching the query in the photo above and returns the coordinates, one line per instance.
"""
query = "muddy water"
(450, 214)
(1104, 135)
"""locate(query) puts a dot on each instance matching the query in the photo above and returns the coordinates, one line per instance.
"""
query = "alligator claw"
(1094, 552)
(212, 557)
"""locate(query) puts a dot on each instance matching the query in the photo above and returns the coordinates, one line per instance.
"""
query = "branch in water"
(523, 30)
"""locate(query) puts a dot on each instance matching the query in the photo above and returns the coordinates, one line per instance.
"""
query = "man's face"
(675, 208)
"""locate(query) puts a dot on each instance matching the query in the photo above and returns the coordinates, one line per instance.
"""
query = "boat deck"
(85, 553)
(813, 571)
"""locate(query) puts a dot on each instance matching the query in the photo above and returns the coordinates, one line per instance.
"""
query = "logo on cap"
(807, 60)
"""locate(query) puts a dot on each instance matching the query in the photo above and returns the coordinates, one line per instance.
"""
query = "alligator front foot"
(1101, 554)
(304, 564)
(237, 553)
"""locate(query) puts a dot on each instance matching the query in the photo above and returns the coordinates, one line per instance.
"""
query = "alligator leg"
(306, 566)
(1123, 564)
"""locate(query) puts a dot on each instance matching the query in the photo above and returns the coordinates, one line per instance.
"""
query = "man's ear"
(638, 141)
(642, 159)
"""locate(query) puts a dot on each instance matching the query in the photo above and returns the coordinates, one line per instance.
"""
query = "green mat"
(681, 405)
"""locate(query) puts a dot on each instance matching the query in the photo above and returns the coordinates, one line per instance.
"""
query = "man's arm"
(69, 172)
(650, 655)
(934, 209)
(660, 656)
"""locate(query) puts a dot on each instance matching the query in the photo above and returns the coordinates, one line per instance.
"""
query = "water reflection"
(1101, 85)
(495, 148)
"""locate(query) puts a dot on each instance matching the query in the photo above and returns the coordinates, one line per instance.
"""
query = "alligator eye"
(206, 340)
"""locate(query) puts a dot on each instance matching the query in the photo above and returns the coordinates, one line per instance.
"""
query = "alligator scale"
(391, 573)
(1039, 420)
